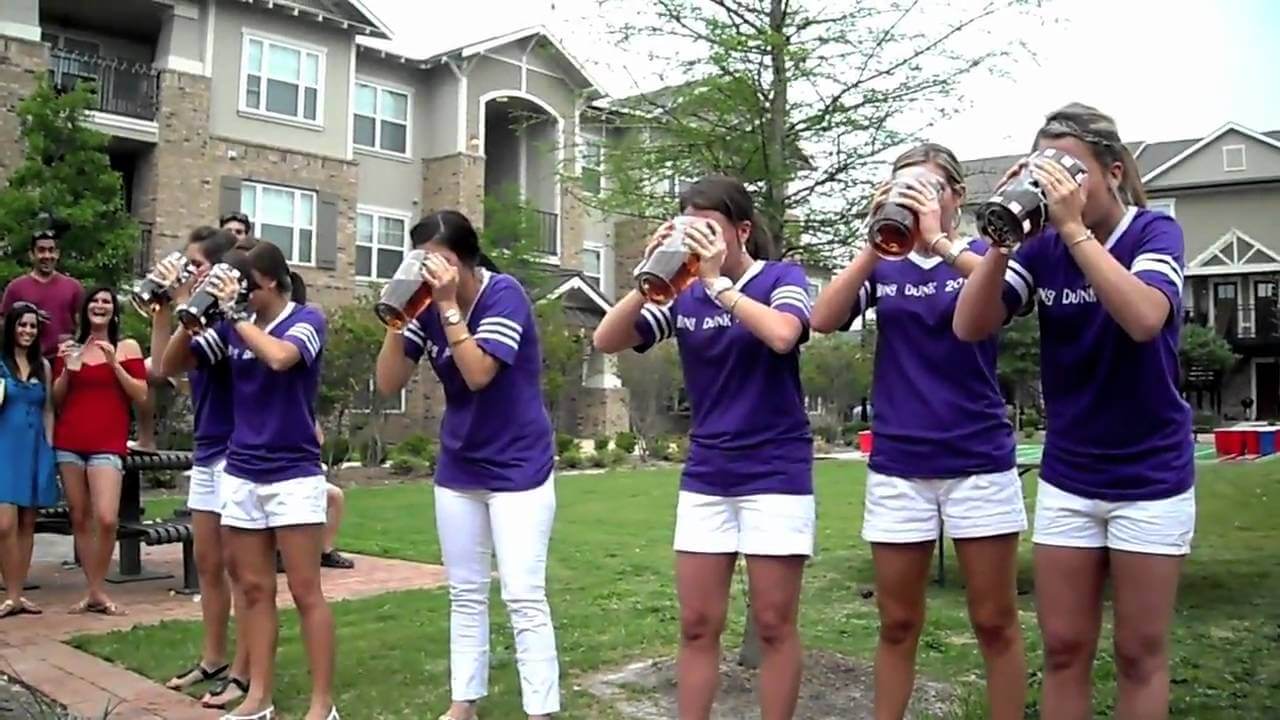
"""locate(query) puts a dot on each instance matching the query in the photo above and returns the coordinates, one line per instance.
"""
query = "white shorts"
(1154, 527)
(769, 524)
(261, 506)
(204, 488)
(900, 510)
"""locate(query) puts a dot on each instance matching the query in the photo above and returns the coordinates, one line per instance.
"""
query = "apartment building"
(310, 118)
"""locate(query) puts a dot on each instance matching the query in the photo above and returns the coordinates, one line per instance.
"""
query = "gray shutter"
(327, 232)
(228, 195)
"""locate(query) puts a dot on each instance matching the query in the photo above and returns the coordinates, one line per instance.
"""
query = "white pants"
(1154, 527)
(517, 526)
(766, 524)
(904, 510)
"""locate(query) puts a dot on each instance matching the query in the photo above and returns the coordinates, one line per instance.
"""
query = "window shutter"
(327, 232)
(228, 195)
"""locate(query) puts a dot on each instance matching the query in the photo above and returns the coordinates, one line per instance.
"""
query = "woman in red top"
(96, 378)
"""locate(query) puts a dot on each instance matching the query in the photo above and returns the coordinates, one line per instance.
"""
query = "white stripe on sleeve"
(1158, 262)
(307, 335)
(864, 296)
(1020, 280)
(212, 346)
(790, 295)
(413, 332)
(498, 337)
(501, 326)
(659, 319)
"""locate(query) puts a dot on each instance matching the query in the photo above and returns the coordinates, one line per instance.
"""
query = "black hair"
(113, 326)
(729, 197)
(48, 227)
(247, 243)
(453, 230)
(269, 261)
(237, 217)
(10, 341)
(213, 242)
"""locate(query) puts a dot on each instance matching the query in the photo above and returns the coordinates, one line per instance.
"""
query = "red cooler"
(1252, 441)
(864, 442)
(1228, 442)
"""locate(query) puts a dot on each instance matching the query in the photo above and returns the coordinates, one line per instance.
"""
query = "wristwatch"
(718, 287)
(952, 254)
(452, 317)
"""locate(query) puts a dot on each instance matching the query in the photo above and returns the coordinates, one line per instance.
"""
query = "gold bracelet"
(1088, 235)
(933, 244)
(459, 341)
(734, 304)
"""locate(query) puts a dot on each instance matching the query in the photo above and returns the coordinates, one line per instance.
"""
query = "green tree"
(66, 172)
(653, 380)
(1018, 366)
(801, 100)
(511, 237)
(347, 403)
(563, 350)
(1200, 348)
(837, 369)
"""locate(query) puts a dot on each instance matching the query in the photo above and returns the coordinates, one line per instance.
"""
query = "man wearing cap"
(56, 295)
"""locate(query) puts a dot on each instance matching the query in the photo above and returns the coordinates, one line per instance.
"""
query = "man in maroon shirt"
(56, 295)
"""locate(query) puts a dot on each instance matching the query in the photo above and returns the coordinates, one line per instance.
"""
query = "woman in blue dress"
(27, 479)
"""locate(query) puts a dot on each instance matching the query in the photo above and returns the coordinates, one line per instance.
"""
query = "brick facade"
(454, 182)
(22, 64)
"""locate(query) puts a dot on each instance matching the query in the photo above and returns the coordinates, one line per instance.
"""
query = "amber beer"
(893, 225)
(1018, 209)
(671, 268)
(406, 295)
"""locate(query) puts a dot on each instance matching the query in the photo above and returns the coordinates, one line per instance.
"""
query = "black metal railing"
(123, 87)
(142, 262)
(1259, 322)
(548, 232)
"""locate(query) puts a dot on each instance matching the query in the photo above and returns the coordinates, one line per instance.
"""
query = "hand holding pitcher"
(707, 242)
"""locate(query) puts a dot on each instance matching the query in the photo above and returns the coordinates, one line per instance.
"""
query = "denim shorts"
(110, 460)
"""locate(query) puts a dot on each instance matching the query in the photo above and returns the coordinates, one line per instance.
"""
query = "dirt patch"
(834, 688)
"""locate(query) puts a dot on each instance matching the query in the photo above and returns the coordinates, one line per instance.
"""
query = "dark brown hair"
(729, 197)
(213, 243)
(269, 261)
(935, 153)
(1096, 129)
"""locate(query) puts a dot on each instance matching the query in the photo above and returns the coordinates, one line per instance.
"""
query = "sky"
(1164, 69)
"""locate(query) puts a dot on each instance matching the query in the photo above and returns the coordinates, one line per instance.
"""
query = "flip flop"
(29, 607)
(214, 700)
(110, 608)
(9, 608)
(81, 607)
(195, 675)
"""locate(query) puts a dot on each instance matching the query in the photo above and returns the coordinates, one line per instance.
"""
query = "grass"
(613, 600)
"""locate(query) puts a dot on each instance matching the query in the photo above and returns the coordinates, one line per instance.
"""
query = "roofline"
(1205, 141)
(576, 282)
(375, 28)
(363, 9)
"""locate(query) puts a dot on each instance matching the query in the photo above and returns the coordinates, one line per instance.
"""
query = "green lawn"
(612, 596)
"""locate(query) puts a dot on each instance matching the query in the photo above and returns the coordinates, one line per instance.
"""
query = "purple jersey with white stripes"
(938, 408)
(210, 399)
(274, 437)
(1118, 429)
(750, 432)
(498, 438)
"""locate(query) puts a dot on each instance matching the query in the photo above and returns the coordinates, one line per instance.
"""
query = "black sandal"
(214, 703)
(184, 681)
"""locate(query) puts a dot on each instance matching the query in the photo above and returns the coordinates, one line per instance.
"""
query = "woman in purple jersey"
(494, 489)
(1116, 499)
(747, 487)
(272, 486)
(210, 395)
(943, 456)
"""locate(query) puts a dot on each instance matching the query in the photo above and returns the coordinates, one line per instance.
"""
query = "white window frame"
(268, 40)
(602, 254)
(1243, 162)
(594, 138)
(378, 213)
(376, 148)
(1164, 205)
(258, 187)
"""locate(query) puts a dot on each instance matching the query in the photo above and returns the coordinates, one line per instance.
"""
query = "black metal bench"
(1023, 468)
(133, 531)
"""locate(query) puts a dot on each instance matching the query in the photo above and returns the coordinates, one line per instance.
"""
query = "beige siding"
(233, 20)
(1206, 164)
(486, 76)
(1207, 215)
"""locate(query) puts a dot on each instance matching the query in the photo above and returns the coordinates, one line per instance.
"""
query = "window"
(381, 240)
(1161, 205)
(280, 80)
(591, 163)
(1232, 158)
(677, 185)
(381, 119)
(593, 266)
(815, 287)
(284, 216)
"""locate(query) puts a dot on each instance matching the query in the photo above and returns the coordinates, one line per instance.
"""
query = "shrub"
(407, 465)
(680, 449)
(1028, 432)
(564, 443)
(600, 443)
(598, 459)
(1031, 420)
(371, 450)
(618, 456)
(660, 447)
(414, 446)
(827, 432)
(417, 452)
(571, 459)
(1204, 421)
(626, 442)
(336, 450)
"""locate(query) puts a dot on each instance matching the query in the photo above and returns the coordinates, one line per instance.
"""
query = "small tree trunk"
(749, 653)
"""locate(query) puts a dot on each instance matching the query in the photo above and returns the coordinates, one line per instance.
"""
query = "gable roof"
(538, 33)
(1226, 254)
(1191, 150)
(346, 14)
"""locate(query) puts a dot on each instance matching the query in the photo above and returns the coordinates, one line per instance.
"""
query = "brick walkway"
(31, 647)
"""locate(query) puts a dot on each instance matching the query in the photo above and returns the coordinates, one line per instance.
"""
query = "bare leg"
(300, 548)
(11, 553)
(215, 596)
(990, 568)
(333, 516)
(1069, 584)
(104, 490)
(1146, 590)
(702, 584)
(253, 571)
(902, 571)
(75, 486)
(774, 585)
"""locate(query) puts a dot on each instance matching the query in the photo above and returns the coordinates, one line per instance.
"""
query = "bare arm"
(277, 354)
(177, 357)
(48, 406)
(779, 330)
(393, 370)
(617, 331)
(61, 385)
(980, 309)
(1136, 306)
(135, 388)
(478, 368)
(838, 301)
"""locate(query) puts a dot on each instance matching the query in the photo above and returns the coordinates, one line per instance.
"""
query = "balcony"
(1244, 326)
(123, 87)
